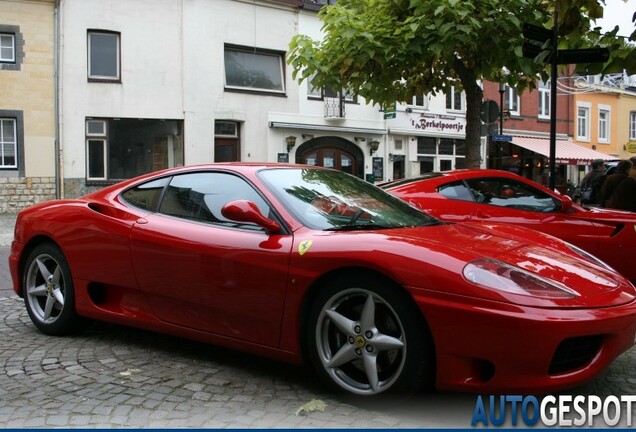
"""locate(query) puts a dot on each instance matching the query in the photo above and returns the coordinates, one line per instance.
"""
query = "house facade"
(605, 113)
(190, 84)
(27, 104)
(526, 125)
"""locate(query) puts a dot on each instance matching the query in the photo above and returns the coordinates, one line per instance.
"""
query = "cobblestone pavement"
(111, 376)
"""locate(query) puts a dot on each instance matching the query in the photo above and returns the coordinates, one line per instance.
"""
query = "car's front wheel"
(366, 337)
(48, 290)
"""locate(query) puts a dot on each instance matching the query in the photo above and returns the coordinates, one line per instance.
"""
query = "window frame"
(12, 47)
(604, 119)
(583, 122)
(17, 45)
(512, 101)
(632, 125)
(544, 99)
(280, 55)
(97, 137)
(453, 97)
(103, 78)
(14, 122)
(320, 93)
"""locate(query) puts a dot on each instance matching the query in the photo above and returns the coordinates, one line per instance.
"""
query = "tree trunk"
(474, 96)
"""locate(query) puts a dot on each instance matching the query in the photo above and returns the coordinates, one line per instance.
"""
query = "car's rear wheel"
(48, 290)
(365, 337)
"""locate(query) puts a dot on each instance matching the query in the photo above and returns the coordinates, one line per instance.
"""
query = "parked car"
(306, 264)
(491, 196)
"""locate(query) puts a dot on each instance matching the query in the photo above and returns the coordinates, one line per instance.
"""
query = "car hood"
(433, 257)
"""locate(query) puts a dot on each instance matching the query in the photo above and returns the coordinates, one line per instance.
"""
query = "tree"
(391, 50)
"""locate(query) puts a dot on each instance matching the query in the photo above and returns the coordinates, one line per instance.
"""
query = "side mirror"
(247, 211)
(566, 203)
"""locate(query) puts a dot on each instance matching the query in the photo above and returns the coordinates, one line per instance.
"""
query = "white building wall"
(172, 67)
(151, 68)
(209, 25)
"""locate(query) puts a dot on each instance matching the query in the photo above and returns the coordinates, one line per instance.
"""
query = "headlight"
(493, 274)
(589, 256)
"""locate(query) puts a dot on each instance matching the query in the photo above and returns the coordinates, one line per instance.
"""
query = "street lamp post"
(502, 90)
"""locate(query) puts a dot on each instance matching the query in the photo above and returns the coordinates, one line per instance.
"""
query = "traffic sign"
(489, 111)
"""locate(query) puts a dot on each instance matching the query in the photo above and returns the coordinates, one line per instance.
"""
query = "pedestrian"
(590, 185)
(624, 196)
(609, 185)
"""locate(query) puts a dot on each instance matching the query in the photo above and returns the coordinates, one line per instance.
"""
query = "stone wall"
(20, 192)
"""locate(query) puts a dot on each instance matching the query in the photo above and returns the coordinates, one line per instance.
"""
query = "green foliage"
(391, 50)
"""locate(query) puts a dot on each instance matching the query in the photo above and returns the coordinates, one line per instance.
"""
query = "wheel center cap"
(360, 341)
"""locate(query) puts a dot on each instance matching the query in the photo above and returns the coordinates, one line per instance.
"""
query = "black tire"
(48, 292)
(365, 336)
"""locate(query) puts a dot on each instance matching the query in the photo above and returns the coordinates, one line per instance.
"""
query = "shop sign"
(438, 123)
(631, 147)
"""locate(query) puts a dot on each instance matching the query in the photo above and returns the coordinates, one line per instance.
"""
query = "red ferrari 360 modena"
(495, 196)
(307, 264)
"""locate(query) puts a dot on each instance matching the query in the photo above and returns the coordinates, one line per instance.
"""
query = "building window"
(118, 149)
(603, 124)
(227, 143)
(632, 125)
(583, 122)
(8, 143)
(421, 100)
(544, 100)
(11, 47)
(440, 154)
(254, 69)
(104, 56)
(454, 99)
(7, 48)
(327, 92)
(512, 102)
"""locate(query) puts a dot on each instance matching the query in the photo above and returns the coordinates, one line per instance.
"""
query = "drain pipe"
(59, 185)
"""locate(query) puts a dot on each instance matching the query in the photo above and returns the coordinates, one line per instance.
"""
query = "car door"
(504, 200)
(202, 271)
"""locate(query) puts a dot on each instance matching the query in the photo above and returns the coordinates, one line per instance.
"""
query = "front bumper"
(487, 346)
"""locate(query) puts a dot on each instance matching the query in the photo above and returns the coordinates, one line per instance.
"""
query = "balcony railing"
(334, 107)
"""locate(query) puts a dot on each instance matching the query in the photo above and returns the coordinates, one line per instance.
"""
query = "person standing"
(613, 180)
(590, 185)
(624, 196)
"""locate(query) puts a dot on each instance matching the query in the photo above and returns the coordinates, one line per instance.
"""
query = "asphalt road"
(112, 376)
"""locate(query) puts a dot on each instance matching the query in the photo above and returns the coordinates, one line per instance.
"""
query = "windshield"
(331, 200)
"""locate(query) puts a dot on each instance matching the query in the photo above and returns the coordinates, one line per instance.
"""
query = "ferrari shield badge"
(304, 246)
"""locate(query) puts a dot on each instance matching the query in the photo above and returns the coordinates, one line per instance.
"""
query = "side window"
(200, 197)
(456, 191)
(145, 196)
(503, 192)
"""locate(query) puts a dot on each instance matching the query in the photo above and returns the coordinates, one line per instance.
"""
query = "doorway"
(332, 152)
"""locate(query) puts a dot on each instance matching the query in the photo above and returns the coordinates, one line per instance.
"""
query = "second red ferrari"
(499, 196)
